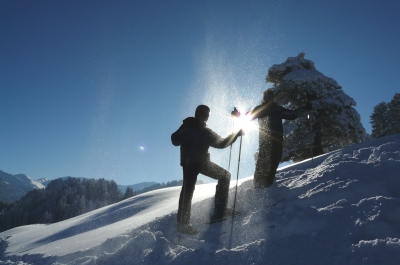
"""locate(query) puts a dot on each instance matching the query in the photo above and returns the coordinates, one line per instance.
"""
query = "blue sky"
(85, 84)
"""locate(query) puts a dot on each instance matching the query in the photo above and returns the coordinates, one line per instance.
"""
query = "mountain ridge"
(14, 187)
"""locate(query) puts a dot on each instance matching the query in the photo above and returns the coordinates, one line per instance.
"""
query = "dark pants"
(269, 157)
(209, 169)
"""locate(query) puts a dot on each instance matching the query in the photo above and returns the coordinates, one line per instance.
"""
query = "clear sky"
(95, 88)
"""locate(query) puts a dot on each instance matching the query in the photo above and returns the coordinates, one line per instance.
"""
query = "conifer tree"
(379, 120)
(129, 193)
(394, 114)
(385, 119)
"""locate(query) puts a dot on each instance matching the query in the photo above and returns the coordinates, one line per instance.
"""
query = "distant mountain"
(43, 181)
(8, 193)
(14, 187)
(136, 187)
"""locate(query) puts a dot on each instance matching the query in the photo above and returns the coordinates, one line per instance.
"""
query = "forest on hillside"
(65, 198)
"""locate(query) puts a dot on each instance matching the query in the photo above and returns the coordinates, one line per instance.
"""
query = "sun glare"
(244, 122)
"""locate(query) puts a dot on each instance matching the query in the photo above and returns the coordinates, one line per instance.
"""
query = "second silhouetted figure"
(270, 117)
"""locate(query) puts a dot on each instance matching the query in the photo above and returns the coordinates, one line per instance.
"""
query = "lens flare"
(244, 122)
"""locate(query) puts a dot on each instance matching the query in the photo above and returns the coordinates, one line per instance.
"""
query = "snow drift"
(339, 208)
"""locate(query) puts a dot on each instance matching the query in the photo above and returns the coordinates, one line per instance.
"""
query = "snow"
(300, 76)
(297, 62)
(94, 228)
(339, 208)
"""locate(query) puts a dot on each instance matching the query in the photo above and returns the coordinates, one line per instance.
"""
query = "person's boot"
(183, 219)
(230, 212)
(221, 215)
(187, 229)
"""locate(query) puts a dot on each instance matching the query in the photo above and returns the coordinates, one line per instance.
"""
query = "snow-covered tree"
(385, 119)
(394, 114)
(379, 120)
(333, 121)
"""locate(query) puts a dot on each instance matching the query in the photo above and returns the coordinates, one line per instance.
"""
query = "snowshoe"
(187, 229)
(228, 213)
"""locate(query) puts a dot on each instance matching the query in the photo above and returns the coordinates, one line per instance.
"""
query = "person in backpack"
(194, 139)
(270, 116)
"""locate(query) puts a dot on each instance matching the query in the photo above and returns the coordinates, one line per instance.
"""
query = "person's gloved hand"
(308, 106)
(235, 113)
(241, 132)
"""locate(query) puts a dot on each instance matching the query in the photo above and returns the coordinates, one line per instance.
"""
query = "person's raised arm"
(220, 143)
(294, 114)
(260, 111)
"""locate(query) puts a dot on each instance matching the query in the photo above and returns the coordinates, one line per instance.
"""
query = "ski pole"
(234, 201)
(230, 151)
(237, 175)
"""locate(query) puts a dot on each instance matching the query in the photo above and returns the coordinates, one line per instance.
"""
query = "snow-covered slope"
(340, 208)
(13, 187)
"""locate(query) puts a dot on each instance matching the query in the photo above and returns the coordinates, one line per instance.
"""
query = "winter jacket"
(194, 139)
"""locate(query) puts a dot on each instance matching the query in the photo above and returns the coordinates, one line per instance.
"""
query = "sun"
(244, 122)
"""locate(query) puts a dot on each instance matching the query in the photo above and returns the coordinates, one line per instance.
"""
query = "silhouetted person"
(194, 139)
(270, 117)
